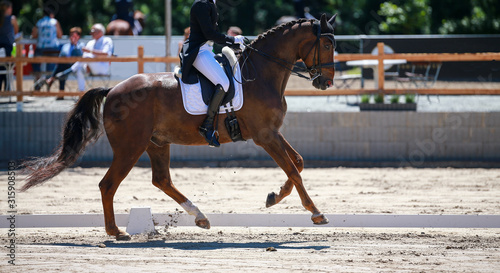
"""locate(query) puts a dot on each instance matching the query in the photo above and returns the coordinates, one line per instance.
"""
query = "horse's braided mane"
(281, 27)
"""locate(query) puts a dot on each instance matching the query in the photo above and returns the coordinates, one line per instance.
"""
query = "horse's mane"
(281, 27)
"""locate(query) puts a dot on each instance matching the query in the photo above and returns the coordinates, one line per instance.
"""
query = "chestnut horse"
(146, 113)
(121, 27)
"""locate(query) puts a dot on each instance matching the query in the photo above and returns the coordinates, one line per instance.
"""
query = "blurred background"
(370, 17)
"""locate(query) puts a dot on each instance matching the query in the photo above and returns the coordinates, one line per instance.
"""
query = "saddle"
(234, 95)
(208, 88)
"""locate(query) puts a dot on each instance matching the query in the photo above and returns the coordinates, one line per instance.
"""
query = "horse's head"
(317, 52)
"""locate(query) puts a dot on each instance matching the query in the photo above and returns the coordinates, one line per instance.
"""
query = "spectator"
(234, 31)
(47, 31)
(98, 46)
(72, 49)
(8, 29)
(186, 36)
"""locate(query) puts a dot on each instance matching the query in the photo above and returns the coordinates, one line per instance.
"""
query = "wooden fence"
(140, 59)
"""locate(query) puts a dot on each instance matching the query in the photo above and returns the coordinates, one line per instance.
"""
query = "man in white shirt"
(99, 46)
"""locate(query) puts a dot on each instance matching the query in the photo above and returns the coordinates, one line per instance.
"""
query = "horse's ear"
(326, 27)
(332, 20)
(323, 17)
(324, 23)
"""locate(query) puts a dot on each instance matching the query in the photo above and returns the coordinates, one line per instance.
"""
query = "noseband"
(314, 70)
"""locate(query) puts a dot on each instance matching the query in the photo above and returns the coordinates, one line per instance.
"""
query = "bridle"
(315, 70)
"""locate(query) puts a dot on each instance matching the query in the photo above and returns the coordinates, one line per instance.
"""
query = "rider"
(197, 53)
(124, 11)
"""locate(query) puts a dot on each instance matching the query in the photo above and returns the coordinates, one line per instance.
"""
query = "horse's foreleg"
(286, 189)
(277, 149)
(160, 163)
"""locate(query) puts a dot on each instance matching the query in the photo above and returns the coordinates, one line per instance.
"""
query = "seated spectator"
(47, 31)
(72, 49)
(8, 29)
(98, 46)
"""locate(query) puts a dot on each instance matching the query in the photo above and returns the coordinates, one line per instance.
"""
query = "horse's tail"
(83, 125)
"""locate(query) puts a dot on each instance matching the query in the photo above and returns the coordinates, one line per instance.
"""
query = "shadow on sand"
(199, 245)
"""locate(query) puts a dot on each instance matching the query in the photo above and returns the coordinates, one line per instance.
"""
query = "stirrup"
(211, 138)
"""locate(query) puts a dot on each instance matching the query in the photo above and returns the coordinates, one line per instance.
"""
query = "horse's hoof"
(203, 223)
(123, 236)
(319, 219)
(271, 199)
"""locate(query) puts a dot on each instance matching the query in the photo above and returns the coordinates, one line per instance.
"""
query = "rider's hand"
(240, 39)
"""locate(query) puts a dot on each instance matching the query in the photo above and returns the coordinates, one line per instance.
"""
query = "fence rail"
(140, 59)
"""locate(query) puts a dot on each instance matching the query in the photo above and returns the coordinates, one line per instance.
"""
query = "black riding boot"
(207, 129)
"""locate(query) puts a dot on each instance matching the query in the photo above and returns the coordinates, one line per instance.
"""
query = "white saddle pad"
(193, 100)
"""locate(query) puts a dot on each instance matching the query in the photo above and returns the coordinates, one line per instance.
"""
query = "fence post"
(140, 61)
(19, 76)
(381, 77)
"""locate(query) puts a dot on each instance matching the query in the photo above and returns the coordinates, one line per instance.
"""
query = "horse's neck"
(283, 46)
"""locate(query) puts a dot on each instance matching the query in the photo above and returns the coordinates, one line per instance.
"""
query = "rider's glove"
(240, 39)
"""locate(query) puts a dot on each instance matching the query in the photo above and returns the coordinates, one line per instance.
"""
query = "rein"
(314, 70)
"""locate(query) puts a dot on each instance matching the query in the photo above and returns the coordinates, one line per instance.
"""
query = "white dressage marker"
(140, 220)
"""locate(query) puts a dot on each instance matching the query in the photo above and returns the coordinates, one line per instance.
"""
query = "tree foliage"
(255, 16)
(470, 17)
(409, 17)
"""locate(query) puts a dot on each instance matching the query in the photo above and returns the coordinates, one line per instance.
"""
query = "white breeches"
(208, 66)
(96, 68)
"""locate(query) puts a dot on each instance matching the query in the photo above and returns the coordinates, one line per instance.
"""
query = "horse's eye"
(327, 47)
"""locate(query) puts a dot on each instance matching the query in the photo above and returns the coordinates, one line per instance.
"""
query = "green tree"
(466, 17)
(82, 13)
(354, 16)
(411, 17)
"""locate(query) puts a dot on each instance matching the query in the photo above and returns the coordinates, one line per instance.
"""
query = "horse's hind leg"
(276, 147)
(160, 163)
(286, 189)
(119, 169)
(127, 148)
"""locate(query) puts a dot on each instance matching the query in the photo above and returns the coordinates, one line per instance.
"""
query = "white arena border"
(255, 220)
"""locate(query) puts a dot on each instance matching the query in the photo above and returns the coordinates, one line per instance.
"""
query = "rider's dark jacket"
(203, 23)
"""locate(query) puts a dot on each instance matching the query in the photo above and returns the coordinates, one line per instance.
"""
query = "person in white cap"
(98, 46)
